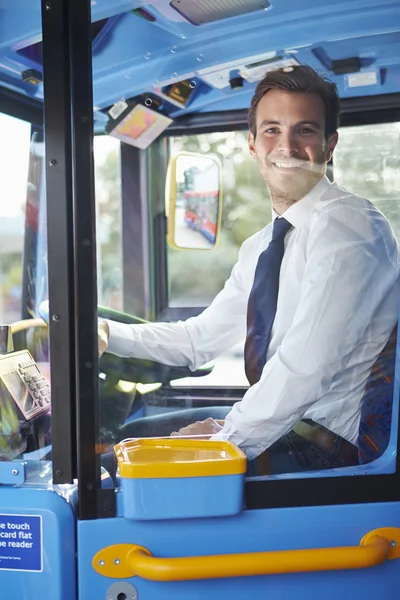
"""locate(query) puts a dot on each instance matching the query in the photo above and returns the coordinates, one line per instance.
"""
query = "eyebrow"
(312, 123)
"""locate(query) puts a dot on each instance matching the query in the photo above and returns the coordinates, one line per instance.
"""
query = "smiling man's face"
(290, 146)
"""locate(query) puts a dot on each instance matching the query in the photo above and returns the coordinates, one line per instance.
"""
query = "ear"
(331, 145)
(252, 148)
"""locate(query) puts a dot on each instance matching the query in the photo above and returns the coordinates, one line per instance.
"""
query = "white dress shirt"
(337, 305)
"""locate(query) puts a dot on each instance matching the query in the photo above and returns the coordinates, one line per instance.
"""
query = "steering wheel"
(116, 405)
(116, 368)
(145, 371)
(136, 369)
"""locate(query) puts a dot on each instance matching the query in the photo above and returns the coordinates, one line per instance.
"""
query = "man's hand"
(104, 334)
(205, 428)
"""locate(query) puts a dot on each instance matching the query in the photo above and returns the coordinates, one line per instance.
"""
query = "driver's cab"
(133, 389)
(130, 389)
(172, 194)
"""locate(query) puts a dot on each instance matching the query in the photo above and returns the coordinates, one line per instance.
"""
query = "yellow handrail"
(128, 560)
(257, 563)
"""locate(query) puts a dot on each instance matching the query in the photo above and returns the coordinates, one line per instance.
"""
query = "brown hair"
(299, 79)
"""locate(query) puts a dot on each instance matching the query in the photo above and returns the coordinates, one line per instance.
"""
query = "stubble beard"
(282, 199)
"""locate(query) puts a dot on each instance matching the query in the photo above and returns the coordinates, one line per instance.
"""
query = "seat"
(377, 405)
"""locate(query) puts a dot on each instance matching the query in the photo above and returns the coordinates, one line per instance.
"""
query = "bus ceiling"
(182, 59)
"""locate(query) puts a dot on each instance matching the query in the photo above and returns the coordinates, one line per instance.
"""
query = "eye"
(271, 130)
(307, 130)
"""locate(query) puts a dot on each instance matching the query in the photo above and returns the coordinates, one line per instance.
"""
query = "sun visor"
(136, 124)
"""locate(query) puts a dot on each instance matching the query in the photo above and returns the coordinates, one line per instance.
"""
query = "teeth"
(286, 165)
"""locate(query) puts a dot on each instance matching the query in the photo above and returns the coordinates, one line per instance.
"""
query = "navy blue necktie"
(263, 300)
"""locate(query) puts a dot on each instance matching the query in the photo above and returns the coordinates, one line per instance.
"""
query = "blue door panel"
(251, 531)
(57, 578)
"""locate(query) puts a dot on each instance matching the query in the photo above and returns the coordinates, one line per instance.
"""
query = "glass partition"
(156, 379)
(148, 76)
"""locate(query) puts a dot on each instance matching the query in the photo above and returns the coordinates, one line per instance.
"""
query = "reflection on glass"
(197, 200)
(371, 169)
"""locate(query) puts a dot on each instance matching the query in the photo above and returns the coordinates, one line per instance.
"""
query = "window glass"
(367, 162)
(25, 415)
(310, 381)
(14, 159)
(194, 276)
(108, 225)
(108, 221)
(246, 208)
(25, 410)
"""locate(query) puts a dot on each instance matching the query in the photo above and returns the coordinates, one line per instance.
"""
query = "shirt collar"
(298, 212)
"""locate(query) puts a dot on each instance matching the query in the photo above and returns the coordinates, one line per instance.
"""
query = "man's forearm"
(167, 343)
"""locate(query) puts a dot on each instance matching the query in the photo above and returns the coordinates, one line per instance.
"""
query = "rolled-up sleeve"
(198, 340)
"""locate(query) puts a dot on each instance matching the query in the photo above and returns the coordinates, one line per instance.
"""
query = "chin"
(293, 184)
(294, 190)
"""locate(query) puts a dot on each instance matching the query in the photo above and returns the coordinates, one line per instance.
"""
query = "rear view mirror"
(194, 201)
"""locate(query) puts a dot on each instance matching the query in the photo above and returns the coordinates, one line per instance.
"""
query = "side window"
(367, 162)
(107, 159)
(246, 209)
(20, 167)
(23, 272)
(14, 162)
(108, 226)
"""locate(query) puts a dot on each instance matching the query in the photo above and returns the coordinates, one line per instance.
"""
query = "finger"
(185, 431)
(190, 427)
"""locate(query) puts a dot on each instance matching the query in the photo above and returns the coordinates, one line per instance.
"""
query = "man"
(318, 287)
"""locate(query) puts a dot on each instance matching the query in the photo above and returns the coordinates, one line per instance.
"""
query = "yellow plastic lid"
(178, 457)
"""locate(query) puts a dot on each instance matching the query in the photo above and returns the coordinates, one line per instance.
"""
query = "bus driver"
(315, 293)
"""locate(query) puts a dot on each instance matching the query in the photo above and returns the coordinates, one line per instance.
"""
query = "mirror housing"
(194, 201)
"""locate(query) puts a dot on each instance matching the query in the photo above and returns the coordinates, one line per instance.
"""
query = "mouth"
(286, 165)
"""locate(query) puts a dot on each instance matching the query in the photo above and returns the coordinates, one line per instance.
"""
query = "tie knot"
(280, 228)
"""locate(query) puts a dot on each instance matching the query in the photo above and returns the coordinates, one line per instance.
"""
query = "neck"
(281, 203)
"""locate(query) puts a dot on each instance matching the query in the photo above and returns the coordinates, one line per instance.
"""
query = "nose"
(288, 144)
